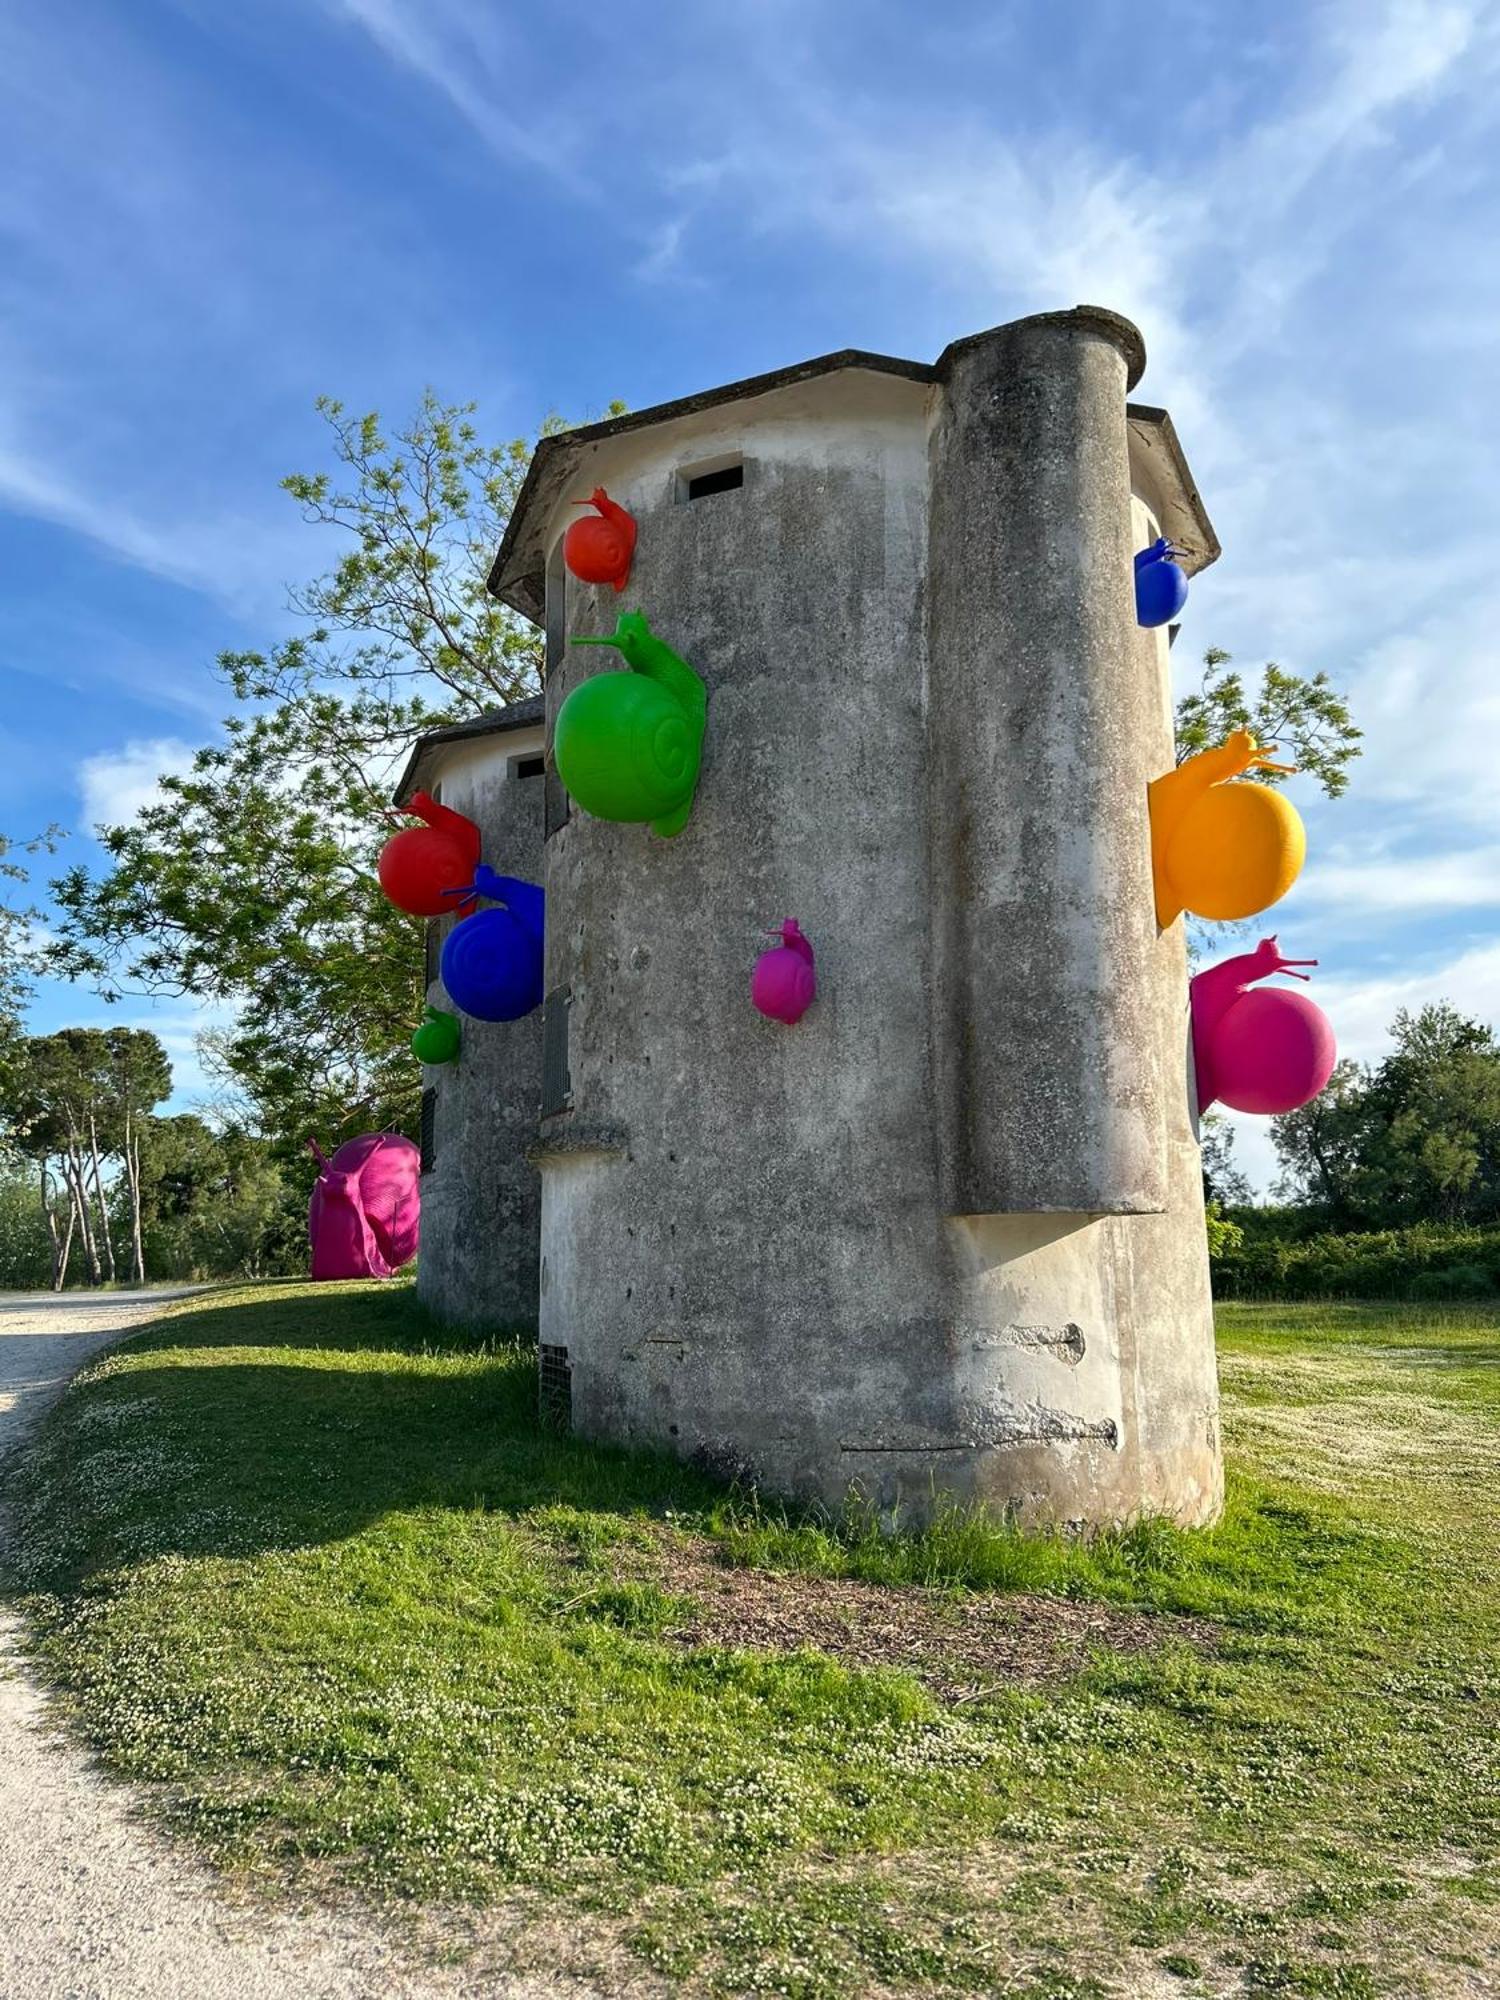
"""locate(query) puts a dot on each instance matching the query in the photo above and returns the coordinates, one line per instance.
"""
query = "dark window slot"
(725, 480)
(528, 767)
(558, 806)
(429, 1127)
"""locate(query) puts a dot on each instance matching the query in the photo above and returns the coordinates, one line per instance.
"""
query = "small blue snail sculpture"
(1161, 584)
(492, 962)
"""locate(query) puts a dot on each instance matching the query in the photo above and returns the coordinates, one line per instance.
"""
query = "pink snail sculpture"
(363, 1217)
(785, 983)
(1266, 1050)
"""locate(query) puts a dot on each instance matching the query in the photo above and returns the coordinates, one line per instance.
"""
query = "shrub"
(1459, 1281)
(1430, 1260)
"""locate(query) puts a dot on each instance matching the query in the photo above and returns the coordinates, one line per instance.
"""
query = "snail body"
(1218, 849)
(492, 963)
(600, 547)
(1262, 1050)
(1161, 584)
(421, 865)
(437, 1037)
(629, 746)
(784, 983)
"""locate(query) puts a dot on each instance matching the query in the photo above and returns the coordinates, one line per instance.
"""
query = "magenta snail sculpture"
(1266, 1051)
(785, 982)
(365, 1213)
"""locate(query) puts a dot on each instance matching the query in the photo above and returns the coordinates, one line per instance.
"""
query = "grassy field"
(310, 1568)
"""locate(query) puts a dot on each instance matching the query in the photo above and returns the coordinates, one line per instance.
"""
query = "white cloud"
(116, 784)
(460, 51)
(1419, 883)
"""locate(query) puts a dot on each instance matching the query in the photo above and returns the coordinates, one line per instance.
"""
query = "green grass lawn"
(309, 1565)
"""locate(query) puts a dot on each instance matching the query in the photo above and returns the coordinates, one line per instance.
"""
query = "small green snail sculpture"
(629, 746)
(437, 1037)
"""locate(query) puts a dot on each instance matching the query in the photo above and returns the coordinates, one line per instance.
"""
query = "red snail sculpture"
(599, 548)
(785, 982)
(1260, 1050)
(420, 866)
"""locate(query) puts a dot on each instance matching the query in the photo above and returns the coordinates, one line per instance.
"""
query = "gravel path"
(93, 1904)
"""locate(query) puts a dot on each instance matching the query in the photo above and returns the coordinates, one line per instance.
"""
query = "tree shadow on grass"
(341, 1318)
(376, 1410)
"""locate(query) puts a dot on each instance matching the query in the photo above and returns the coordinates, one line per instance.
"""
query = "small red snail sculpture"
(1267, 1050)
(421, 866)
(599, 548)
(784, 983)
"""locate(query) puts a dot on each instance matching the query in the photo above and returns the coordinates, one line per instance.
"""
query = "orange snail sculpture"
(1218, 849)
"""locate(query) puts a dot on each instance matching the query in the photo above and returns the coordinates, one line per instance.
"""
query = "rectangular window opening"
(528, 767)
(555, 610)
(557, 806)
(697, 482)
(429, 1127)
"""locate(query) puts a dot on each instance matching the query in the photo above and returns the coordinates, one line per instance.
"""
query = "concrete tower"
(481, 1199)
(943, 1238)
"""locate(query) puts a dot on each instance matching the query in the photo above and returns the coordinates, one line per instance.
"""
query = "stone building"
(943, 1238)
(481, 1199)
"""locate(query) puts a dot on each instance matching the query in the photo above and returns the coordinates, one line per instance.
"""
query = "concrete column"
(481, 1203)
(1042, 731)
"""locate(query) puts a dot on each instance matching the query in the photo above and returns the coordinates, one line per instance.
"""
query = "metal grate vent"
(557, 1080)
(429, 1127)
(554, 1388)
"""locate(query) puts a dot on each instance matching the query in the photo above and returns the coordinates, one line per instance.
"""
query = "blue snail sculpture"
(1161, 584)
(492, 962)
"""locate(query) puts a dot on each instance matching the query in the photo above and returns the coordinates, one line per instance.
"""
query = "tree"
(1414, 1138)
(74, 1101)
(251, 882)
(1224, 1184)
(218, 1203)
(20, 952)
(1321, 1147)
(1308, 719)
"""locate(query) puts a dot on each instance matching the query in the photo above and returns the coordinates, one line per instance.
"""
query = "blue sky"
(211, 214)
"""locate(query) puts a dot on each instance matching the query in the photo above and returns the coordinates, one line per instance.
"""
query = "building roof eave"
(518, 575)
(528, 714)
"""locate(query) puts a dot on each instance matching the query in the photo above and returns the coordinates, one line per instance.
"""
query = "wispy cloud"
(480, 64)
(115, 785)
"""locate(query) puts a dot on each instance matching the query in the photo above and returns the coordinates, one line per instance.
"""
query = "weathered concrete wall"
(944, 1238)
(756, 1264)
(1048, 1070)
(481, 1201)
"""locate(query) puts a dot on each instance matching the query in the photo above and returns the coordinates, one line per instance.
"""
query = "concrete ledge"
(580, 1142)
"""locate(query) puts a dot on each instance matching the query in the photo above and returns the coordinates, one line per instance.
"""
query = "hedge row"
(1429, 1261)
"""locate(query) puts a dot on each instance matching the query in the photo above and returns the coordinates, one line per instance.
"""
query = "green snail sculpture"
(629, 746)
(436, 1039)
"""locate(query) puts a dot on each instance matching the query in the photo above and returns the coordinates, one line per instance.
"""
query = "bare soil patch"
(960, 1645)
